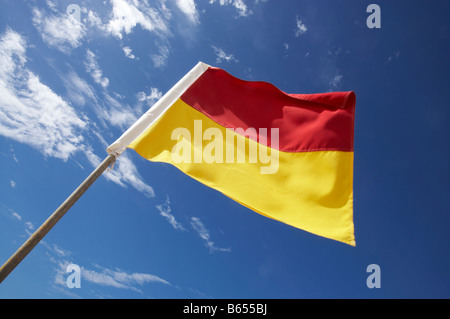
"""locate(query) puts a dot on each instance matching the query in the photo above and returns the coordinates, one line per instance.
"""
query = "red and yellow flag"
(286, 156)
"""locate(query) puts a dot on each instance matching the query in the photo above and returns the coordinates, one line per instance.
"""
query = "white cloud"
(12, 183)
(117, 113)
(151, 99)
(222, 56)
(52, 5)
(165, 211)
(335, 81)
(107, 277)
(128, 172)
(128, 54)
(201, 230)
(301, 27)
(78, 90)
(121, 118)
(189, 8)
(92, 20)
(128, 14)
(63, 31)
(160, 59)
(29, 228)
(16, 215)
(124, 173)
(106, 107)
(94, 70)
(119, 279)
(238, 4)
(102, 276)
(30, 112)
(112, 112)
(13, 154)
(109, 110)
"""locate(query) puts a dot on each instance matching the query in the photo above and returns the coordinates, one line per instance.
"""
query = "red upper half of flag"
(306, 122)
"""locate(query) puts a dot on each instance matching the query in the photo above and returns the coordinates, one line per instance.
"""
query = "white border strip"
(149, 117)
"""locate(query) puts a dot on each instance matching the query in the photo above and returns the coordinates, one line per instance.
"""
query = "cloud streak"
(97, 275)
(94, 70)
(30, 112)
(335, 81)
(189, 8)
(204, 234)
(118, 278)
(221, 56)
(166, 212)
(101, 276)
(124, 173)
(301, 27)
(62, 31)
(237, 4)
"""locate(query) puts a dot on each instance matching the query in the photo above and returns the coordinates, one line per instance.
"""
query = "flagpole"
(36, 237)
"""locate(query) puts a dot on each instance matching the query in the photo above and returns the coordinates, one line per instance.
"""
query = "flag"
(288, 157)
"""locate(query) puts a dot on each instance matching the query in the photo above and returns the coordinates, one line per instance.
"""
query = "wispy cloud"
(238, 4)
(160, 59)
(30, 112)
(79, 92)
(165, 211)
(128, 14)
(221, 56)
(94, 70)
(105, 104)
(119, 278)
(128, 53)
(13, 154)
(95, 274)
(300, 28)
(204, 234)
(16, 215)
(150, 99)
(29, 228)
(189, 8)
(116, 112)
(335, 81)
(66, 32)
(98, 275)
(124, 173)
(61, 31)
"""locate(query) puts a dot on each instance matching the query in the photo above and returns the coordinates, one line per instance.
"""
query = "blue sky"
(70, 84)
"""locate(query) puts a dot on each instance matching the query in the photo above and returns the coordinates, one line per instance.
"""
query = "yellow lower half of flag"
(312, 191)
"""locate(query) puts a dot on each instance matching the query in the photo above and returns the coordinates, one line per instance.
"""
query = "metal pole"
(36, 237)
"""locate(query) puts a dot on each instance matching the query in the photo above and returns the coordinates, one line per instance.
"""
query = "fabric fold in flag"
(288, 157)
